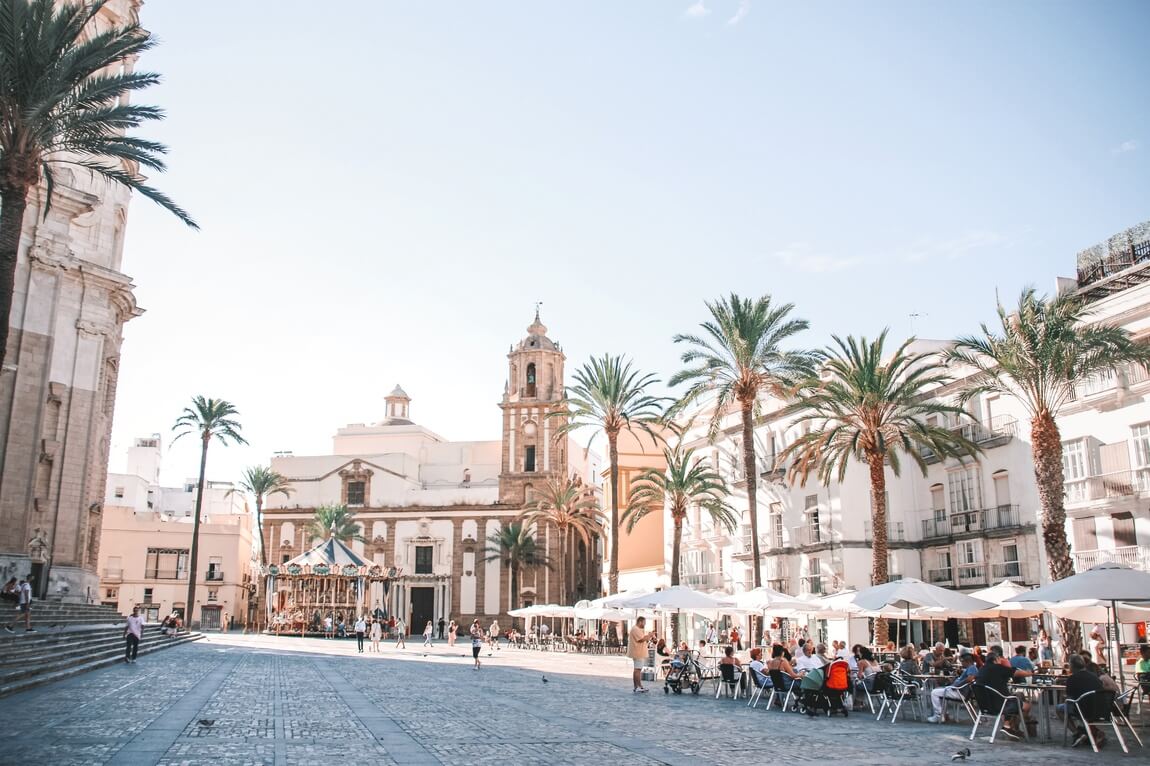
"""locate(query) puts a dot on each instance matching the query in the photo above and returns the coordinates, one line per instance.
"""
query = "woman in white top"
(428, 632)
(1097, 646)
(376, 635)
(493, 634)
(452, 629)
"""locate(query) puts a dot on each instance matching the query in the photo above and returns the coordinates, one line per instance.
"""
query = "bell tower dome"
(398, 405)
(531, 453)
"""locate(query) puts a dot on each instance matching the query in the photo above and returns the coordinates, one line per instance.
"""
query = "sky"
(385, 188)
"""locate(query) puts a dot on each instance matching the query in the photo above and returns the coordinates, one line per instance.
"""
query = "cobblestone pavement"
(249, 700)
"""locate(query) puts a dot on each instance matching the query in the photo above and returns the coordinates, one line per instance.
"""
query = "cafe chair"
(876, 690)
(781, 689)
(759, 682)
(1094, 709)
(897, 691)
(992, 705)
(1122, 707)
(730, 681)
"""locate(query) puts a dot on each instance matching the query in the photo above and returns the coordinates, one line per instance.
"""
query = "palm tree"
(1042, 352)
(208, 419)
(738, 358)
(862, 407)
(565, 505)
(516, 547)
(64, 88)
(334, 521)
(610, 396)
(261, 482)
(686, 481)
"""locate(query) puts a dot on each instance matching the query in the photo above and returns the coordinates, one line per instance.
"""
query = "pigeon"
(961, 755)
(206, 722)
(544, 679)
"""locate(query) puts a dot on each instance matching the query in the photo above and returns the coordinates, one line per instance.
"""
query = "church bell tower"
(531, 453)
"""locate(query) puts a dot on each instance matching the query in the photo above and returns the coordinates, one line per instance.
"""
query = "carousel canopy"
(331, 552)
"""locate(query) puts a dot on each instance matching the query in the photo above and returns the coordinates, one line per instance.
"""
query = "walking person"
(360, 632)
(133, 632)
(376, 634)
(493, 634)
(400, 633)
(476, 643)
(23, 606)
(442, 625)
(428, 633)
(452, 629)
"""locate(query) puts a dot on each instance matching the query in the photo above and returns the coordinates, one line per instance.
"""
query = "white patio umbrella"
(764, 599)
(604, 613)
(1003, 597)
(615, 599)
(678, 598)
(909, 593)
(1104, 582)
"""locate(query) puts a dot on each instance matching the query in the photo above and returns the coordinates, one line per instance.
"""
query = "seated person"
(1143, 664)
(779, 663)
(1080, 682)
(955, 691)
(867, 667)
(1021, 663)
(806, 661)
(997, 674)
(759, 669)
(936, 660)
(908, 665)
(729, 658)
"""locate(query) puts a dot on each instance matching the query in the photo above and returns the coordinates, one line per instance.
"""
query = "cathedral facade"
(428, 507)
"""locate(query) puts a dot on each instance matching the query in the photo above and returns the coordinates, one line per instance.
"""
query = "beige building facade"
(144, 563)
(58, 384)
(428, 506)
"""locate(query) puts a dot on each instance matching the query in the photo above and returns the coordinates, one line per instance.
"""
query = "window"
(965, 490)
(215, 568)
(1074, 464)
(1001, 488)
(1085, 535)
(285, 558)
(423, 557)
(1124, 535)
(166, 564)
(529, 459)
(1141, 439)
(530, 380)
(1010, 565)
(112, 593)
(189, 487)
(213, 594)
(776, 525)
(147, 595)
(355, 492)
(119, 493)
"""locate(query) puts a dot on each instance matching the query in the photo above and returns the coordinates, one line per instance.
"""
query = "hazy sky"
(386, 188)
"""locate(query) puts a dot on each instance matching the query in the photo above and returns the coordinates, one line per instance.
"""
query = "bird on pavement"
(544, 679)
(206, 722)
(961, 755)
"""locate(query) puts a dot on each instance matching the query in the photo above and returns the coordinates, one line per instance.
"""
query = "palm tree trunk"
(613, 567)
(189, 608)
(1046, 449)
(260, 529)
(514, 584)
(13, 201)
(879, 570)
(562, 565)
(752, 477)
(676, 542)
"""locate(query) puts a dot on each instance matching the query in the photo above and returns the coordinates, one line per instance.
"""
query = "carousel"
(330, 580)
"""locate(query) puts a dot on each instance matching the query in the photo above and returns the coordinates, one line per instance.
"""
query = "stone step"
(112, 643)
(48, 673)
(63, 643)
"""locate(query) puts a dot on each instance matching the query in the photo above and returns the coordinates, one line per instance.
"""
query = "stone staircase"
(69, 639)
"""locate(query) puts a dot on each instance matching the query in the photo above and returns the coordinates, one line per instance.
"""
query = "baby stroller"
(685, 673)
(824, 689)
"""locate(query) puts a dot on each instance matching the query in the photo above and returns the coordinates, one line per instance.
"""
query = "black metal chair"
(898, 690)
(991, 704)
(782, 687)
(1094, 708)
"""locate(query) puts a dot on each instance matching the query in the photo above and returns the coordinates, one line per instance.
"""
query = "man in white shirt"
(133, 632)
(360, 632)
(805, 661)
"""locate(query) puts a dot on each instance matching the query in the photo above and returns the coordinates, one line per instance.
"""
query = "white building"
(139, 488)
(967, 523)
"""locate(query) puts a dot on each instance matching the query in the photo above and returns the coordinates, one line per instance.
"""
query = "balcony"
(966, 522)
(940, 576)
(1117, 264)
(895, 532)
(113, 575)
(999, 431)
(959, 575)
(165, 574)
(781, 584)
(813, 585)
(1133, 556)
(704, 580)
(214, 575)
(771, 467)
(1017, 571)
(811, 534)
(1108, 486)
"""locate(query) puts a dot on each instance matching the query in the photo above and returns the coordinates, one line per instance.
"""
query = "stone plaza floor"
(286, 701)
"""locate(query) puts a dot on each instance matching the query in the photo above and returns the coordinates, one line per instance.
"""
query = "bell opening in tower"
(529, 460)
(530, 379)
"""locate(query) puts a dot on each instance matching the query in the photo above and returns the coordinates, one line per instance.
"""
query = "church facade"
(428, 506)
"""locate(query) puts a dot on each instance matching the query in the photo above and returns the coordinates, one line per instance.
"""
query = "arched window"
(530, 379)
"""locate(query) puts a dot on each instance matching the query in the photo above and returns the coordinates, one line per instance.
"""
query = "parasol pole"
(1118, 645)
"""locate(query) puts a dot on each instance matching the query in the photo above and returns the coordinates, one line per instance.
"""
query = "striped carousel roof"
(331, 552)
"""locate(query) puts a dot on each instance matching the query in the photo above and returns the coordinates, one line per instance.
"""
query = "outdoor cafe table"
(1046, 703)
(927, 682)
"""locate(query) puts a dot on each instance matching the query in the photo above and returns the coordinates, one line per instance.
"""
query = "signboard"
(993, 633)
